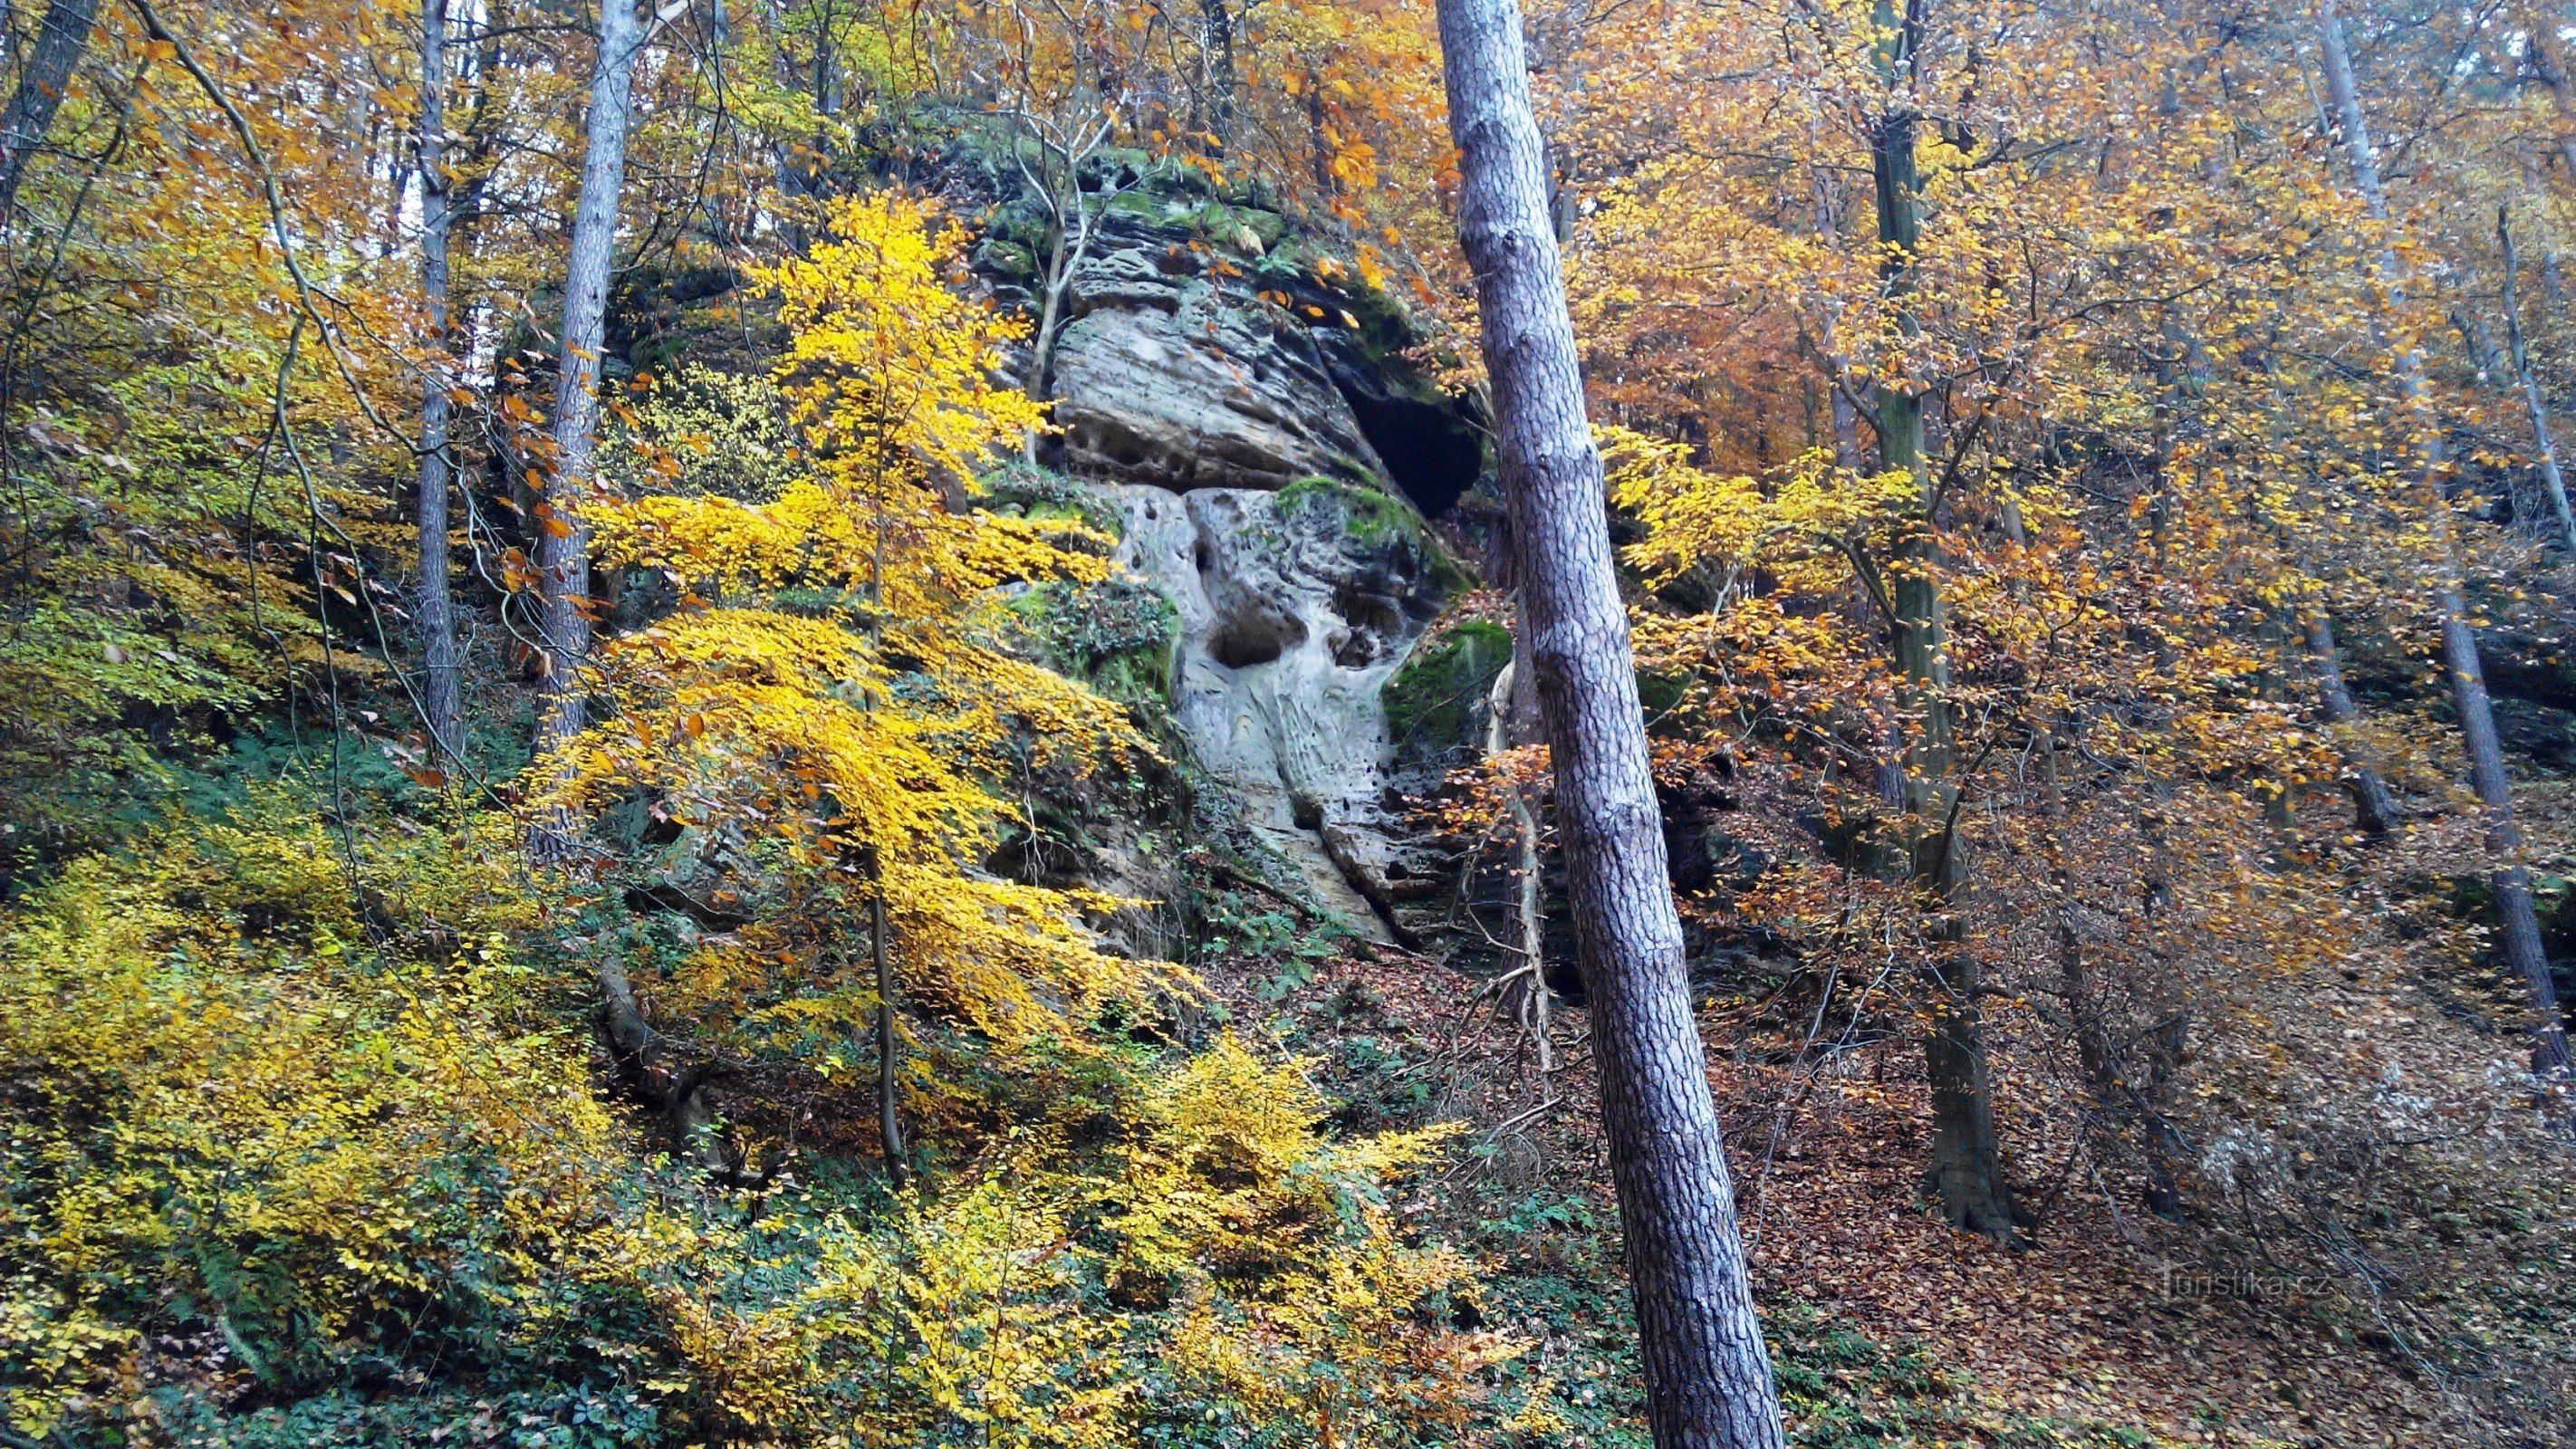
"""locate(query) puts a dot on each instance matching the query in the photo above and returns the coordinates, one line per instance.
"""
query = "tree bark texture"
(1708, 1377)
(1966, 1168)
(564, 543)
(62, 37)
(440, 695)
(2519, 353)
(889, 1081)
(2374, 809)
(2511, 882)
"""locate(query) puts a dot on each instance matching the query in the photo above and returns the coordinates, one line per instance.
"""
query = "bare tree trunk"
(1966, 1170)
(1062, 257)
(889, 1110)
(1708, 1377)
(2373, 808)
(1216, 39)
(656, 1074)
(2511, 882)
(1830, 350)
(1319, 146)
(564, 546)
(1526, 992)
(2520, 356)
(440, 696)
(61, 39)
(1073, 221)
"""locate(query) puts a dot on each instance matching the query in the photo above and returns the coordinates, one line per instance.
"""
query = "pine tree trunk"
(564, 545)
(2511, 882)
(1966, 1169)
(440, 696)
(62, 37)
(1708, 1377)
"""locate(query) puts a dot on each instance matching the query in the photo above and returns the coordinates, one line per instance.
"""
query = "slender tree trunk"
(564, 546)
(2511, 882)
(1527, 994)
(1216, 37)
(1708, 1377)
(1830, 350)
(1074, 220)
(2374, 809)
(2532, 405)
(1319, 147)
(1059, 276)
(62, 37)
(889, 1111)
(1966, 1170)
(440, 700)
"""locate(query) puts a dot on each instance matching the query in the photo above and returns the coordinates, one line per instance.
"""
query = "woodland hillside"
(1343, 723)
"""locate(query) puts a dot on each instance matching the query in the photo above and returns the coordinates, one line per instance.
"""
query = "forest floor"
(1888, 1327)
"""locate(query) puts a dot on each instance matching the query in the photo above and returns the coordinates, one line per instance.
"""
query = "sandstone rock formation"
(1259, 445)
(1180, 383)
(1296, 607)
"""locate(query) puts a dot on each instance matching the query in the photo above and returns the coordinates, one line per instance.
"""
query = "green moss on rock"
(1116, 635)
(1377, 519)
(1433, 701)
(1007, 259)
(1367, 515)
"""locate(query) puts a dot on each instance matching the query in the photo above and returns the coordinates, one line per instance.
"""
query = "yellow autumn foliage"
(293, 1108)
(833, 683)
(230, 1114)
(261, 1135)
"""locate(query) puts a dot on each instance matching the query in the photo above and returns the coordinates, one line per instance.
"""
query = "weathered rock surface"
(1296, 607)
(1178, 382)
(1260, 442)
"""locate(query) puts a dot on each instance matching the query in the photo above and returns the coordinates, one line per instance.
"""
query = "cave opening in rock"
(1431, 451)
(1254, 638)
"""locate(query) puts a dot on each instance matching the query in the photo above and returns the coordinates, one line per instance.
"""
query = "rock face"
(1260, 442)
(1296, 607)
(1174, 380)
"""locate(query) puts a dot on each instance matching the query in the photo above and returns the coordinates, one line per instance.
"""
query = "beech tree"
(1708, 1376)
(62, 38)
(563, 558)
(1966, 1170)
(437, 611)
(2524, 951)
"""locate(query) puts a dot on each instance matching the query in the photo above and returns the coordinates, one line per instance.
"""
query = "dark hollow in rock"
(1430, 452)
(1255, 637)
